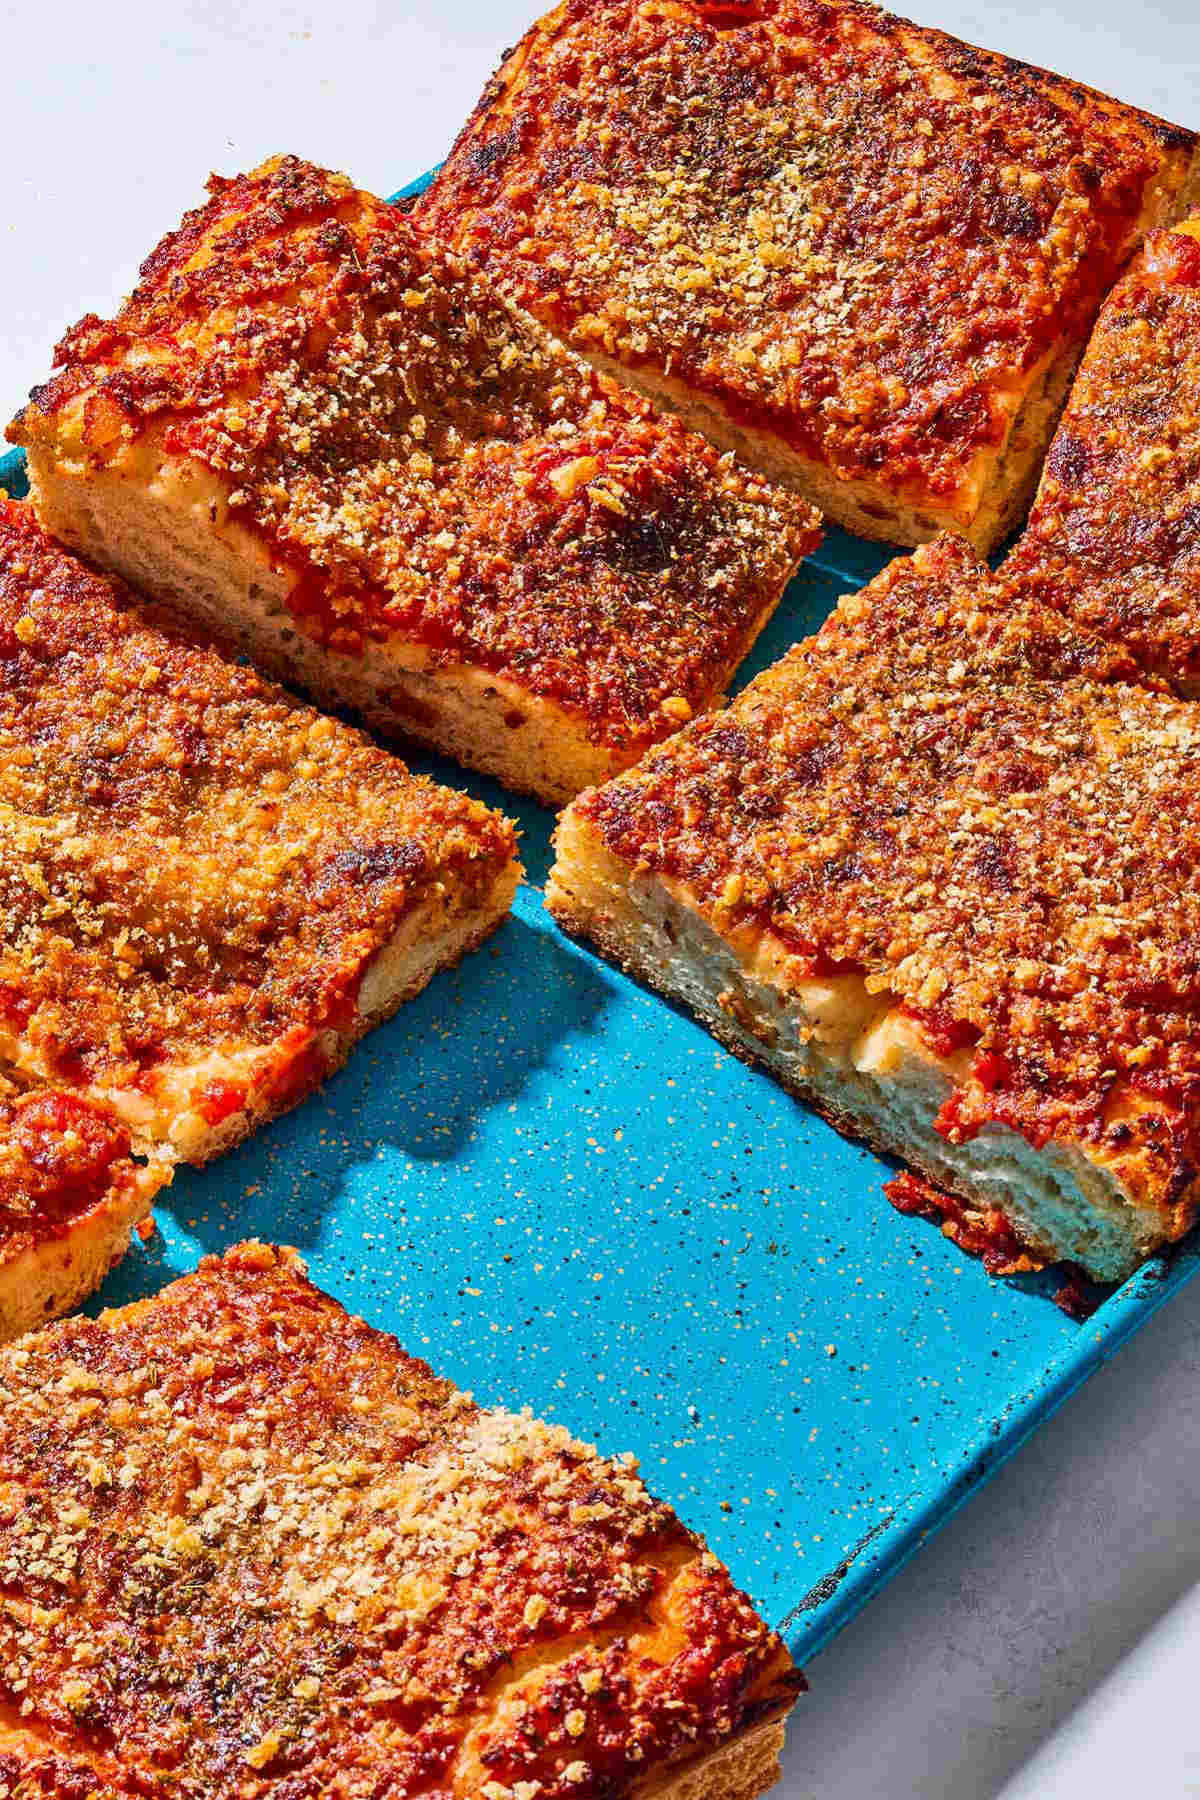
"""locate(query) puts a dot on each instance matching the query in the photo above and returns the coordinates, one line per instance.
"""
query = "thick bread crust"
(648, 930)
(152, 525)
(1187, 197)
(950, 823)
(860, 252)
(431, 940)
(740, 1771)
(325, 438)
(44, 1281)
(208, 892)
(398, 1589)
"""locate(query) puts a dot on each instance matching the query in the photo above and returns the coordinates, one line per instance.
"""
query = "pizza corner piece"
(1113, 537)
(391, 1588)
(936, 871)
(208, 891)
(71, 1194)
(320, 436)
(863, 254)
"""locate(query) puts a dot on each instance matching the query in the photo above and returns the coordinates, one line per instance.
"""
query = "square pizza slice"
(70, 1195)
(939, 870)
(1113, 539)
(336, 448)
(208, 891)
(251, 1548)
(859, 252)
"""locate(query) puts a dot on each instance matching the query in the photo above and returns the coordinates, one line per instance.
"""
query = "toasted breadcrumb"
(249, 1547)
(964, 799)
(196, 872)
(430, 467)
(856, 234)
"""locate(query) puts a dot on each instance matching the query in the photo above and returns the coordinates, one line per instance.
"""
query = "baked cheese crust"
(70, 1194)
(938, 869)
(860, 252)
(250, 1547)
(334, 445)
(207, 890)
(1114, 534)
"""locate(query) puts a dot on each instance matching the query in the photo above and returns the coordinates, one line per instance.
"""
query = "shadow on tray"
(420, 1086)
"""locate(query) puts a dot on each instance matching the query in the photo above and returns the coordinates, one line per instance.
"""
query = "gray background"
(1045, 1643)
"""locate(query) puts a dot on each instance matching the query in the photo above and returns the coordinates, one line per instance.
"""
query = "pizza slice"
(331, 445)
(860, 253)
(939, 871)
(1114, 535)
(208, 891)
(250, 1547)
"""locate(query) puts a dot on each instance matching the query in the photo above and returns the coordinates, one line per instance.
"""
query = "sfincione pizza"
(249, 1547)
(860, 252)
(335, 447)
(939, 870)
(1113, 539)
(208, 891)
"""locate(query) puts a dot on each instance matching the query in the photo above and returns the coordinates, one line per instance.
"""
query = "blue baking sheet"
(563, 1193)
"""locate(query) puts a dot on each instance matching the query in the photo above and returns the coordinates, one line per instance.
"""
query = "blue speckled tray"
(562, 1192)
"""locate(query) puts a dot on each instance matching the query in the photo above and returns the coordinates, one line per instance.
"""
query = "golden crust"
(248, 1546)
(197, 874)
(851, 237)
(1114, 535)
(963, 799)
(428, 468)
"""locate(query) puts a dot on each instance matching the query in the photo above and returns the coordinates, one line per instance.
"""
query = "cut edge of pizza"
(844, 876)
(451, 1590)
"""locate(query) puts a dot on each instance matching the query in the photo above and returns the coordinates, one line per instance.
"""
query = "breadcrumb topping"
(429, 466)
(249, 1547)
(962, 797)
(192, 865)
(860, 235)
(1114, 536)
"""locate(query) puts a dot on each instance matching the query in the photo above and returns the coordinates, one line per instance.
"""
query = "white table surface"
(1044, 1644)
